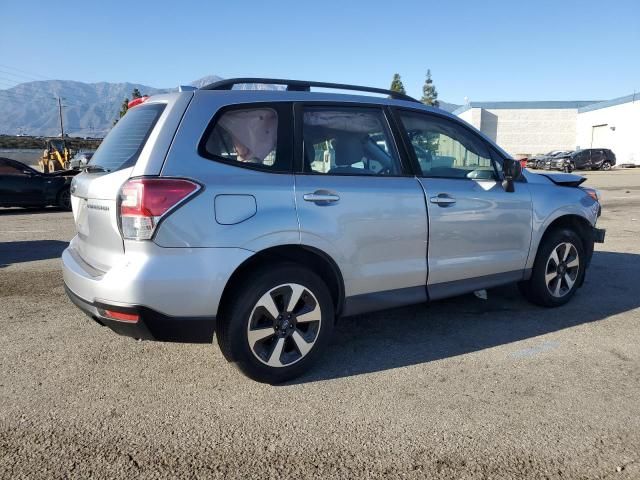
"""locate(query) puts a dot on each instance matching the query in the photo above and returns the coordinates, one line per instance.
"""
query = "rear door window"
(348, 141)
(122, 146)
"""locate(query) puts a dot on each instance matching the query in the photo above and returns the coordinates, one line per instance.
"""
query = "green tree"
(429, 92)
(125, 104)
(396, 84)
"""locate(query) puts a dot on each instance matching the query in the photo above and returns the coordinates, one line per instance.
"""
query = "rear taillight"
(143, 202)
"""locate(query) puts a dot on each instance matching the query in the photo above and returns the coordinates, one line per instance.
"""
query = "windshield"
(122, 146)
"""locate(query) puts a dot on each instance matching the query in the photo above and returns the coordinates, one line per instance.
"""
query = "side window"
(247, 137)
(348, 141)
(445, 149)
(6, 169)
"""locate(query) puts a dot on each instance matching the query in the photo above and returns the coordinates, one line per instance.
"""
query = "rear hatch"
(129, 149)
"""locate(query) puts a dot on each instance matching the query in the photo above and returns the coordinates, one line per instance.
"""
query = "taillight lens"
(144, 201)
(592, 192)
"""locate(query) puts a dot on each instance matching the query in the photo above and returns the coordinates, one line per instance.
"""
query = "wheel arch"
(578, 224)
(305, 255)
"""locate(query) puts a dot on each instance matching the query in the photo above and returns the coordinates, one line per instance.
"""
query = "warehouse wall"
(525, 132)
(616, 127)
(472, 116)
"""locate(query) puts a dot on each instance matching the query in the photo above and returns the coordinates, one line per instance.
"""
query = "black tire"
(52, 166)
(245, 310)
(64, 199)
(45, 167)
(536, 289)
(605, 166)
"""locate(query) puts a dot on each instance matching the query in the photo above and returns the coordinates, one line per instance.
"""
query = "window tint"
(247, 137)
(6, 169)
(348, 141)
(122, 146)
(445, 149)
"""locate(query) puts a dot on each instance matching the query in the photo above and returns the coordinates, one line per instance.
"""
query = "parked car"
(538, 161)
(80, 160)
(23, 186)
(268, 214)
(586, 159)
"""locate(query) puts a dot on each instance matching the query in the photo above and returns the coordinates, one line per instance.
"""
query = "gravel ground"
(463, 388)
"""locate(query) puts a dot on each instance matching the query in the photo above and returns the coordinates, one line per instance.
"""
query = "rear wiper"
(96, 168)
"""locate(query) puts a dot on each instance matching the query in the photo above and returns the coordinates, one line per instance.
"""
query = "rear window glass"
(122, 146)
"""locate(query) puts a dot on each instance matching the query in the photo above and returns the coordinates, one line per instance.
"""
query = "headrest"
(348, 150)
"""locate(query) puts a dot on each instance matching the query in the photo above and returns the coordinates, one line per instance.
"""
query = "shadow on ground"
(419, 334)
(28, 251)
(29, 210)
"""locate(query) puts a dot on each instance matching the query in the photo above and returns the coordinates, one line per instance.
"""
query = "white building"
(614, 124)
(529, 128)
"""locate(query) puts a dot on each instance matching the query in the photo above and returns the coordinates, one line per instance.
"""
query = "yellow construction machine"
(56, 156)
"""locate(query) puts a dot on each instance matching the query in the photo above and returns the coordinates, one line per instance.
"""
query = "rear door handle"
(321, 197)
(443, 200)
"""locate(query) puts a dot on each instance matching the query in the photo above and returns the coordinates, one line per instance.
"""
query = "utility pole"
(60, 110)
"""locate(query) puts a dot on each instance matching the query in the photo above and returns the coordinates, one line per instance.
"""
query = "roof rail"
(304, 86)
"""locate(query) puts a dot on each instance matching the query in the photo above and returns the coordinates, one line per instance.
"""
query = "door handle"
(321, 197)
(443, 200)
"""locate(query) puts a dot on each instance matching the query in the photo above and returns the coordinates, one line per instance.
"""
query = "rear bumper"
(150, 325)
(171, 289)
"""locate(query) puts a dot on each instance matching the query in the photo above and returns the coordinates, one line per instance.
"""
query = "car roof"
(232, 97)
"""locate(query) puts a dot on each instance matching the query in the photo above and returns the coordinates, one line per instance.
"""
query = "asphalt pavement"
(461, 388)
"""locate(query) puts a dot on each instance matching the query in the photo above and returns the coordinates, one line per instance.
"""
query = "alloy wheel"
(561, 272)
(284, 325)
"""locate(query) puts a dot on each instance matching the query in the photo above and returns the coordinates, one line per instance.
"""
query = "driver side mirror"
(512, 170)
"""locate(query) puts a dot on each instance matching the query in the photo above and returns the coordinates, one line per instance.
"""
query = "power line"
(19, 77)
(25, 72)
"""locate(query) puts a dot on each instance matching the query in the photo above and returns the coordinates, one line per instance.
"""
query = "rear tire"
(558, 269)
(277, 323)
(64, 199)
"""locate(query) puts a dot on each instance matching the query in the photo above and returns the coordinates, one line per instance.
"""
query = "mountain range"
(89, 109)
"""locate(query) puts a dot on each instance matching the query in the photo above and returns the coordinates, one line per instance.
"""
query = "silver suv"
(265, 215)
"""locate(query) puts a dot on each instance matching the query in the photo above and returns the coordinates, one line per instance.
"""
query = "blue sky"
(483, 50)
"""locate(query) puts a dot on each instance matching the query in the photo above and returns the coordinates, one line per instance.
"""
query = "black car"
(586, 159)
(23, 186)
(538, 161)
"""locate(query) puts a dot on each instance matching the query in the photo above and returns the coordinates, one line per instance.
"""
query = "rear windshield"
(122, 146)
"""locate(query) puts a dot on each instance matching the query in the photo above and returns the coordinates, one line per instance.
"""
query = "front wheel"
(277, 323)
(52, 166)
(605, 166)
(558, 269)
